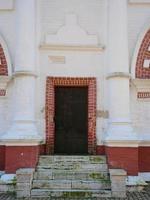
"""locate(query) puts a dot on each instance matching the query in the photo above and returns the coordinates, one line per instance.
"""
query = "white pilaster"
(23, 128)
(120, 132)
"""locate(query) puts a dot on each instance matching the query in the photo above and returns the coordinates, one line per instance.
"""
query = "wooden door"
(71, 120)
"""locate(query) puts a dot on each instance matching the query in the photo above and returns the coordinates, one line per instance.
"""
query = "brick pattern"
(100, 150)
(143, 95)
(50, 109)
(144, 159)
(3, 63)
(2, 93)
(2, 158)
(123, 158)
(144, 53)
(17, 157)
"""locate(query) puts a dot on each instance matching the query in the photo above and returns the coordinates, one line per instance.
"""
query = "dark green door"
(71, 120)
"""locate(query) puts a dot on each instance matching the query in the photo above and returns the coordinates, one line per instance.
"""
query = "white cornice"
(118, 75)
(123, 143)
(24, 73)
(139, 1)
(71, 48)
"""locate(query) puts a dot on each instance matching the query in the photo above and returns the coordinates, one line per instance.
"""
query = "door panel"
(71, 120)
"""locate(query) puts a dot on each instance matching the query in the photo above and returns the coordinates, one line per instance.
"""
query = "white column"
(23, 127)
(120, 127)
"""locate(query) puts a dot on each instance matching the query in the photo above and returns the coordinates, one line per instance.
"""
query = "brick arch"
(5, 62)
(142, 72)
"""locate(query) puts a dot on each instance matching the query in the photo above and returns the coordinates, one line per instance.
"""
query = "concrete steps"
(71, 177)
(68, 195)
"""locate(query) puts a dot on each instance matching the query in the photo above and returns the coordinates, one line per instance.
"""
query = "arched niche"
(140, 68)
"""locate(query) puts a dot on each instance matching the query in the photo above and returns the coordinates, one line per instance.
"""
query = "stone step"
(71, 159)
(45, 194)
(76, 166)
(69, 175)
(71, 184)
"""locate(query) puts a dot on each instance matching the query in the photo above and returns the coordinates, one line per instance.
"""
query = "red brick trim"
(3, 63)
(143, 73)
(100, 150)
(2, 93)
(143, 95)
(50, 109)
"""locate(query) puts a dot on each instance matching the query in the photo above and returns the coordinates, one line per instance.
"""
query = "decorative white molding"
(6, 4)
(24, 73)
(118, 74)
(118, 143)
(71, 36)
(71, 48)
(57, 59)
(21, 142)
(140, 1)
(141, 85)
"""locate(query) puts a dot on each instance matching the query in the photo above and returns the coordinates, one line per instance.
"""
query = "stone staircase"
(71, 177)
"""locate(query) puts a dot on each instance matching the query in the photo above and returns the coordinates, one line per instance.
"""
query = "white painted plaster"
(6, 4)
(120, 127)
(23, 39)
(71, 34)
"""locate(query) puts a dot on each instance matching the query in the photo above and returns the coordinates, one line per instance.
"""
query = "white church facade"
(75, 80)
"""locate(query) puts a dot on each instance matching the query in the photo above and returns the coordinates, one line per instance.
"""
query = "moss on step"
(76, 194)
(100, 177)
(96, 159)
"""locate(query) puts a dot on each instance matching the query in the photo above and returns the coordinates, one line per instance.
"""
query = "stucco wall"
(92, 18)
(138, 18)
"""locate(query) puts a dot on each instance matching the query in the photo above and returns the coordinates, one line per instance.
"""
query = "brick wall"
(50, 109)
(124, 158)
(2, 158)
(144, 159)
(20, 157)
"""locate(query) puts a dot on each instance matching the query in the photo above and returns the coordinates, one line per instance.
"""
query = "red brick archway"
(50, 109)
(144, 53)
(3, 63)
